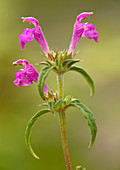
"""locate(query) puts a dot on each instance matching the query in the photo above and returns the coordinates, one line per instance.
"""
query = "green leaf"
(70, 62)
(80, 168)
(43, 104)
(73, 62)
(56, 62)
(90, 119)
(66, 62)
(44, 63)
(29, 128)
(49, 63)
(41, 79)
(73, 100)
(86, 76)
(50, 104)
(58, 103)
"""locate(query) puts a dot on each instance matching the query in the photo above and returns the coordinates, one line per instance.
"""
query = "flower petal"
(26, 36)
(41, 40)
(36, 32)
(90, 32)
(21, 62)
(27, 75)
(46, 89)
(31, 20)
(83, 15)
(22, 79)
(82, 29)
(77, 34)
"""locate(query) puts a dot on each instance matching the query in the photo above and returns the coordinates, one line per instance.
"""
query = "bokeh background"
(101, 60)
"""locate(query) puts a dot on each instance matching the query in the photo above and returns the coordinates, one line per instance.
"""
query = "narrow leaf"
(29, 128)
(41, 79)
(85, 75)
(43, 104)
(58, 103)
(66, 62)
(73, 100)
(50, 104)
(80, 168)
(73, 62)
(44, 63)
(70, 62)
(56, 62)
(90, 119)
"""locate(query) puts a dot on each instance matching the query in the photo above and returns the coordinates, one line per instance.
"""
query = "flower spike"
(60, 63)
(31, 33)
(82, 30)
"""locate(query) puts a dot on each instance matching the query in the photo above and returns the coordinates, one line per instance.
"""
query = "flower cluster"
(27, 75)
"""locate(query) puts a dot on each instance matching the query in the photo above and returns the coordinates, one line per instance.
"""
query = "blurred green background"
(101, 60)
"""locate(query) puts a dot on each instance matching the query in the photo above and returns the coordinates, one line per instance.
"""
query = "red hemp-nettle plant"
(60, 63)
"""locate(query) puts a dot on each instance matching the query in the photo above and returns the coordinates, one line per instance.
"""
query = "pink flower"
(82, 30)
(27, 75)
(46, 89)
(31, 33)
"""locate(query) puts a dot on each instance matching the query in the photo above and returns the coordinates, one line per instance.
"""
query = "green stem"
(62, 118)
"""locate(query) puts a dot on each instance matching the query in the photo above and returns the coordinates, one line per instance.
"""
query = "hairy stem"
(62, 118)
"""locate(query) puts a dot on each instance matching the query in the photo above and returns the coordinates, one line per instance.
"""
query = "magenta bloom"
(31, 33)
(27, 75)
(82, 30)
(46, 89)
